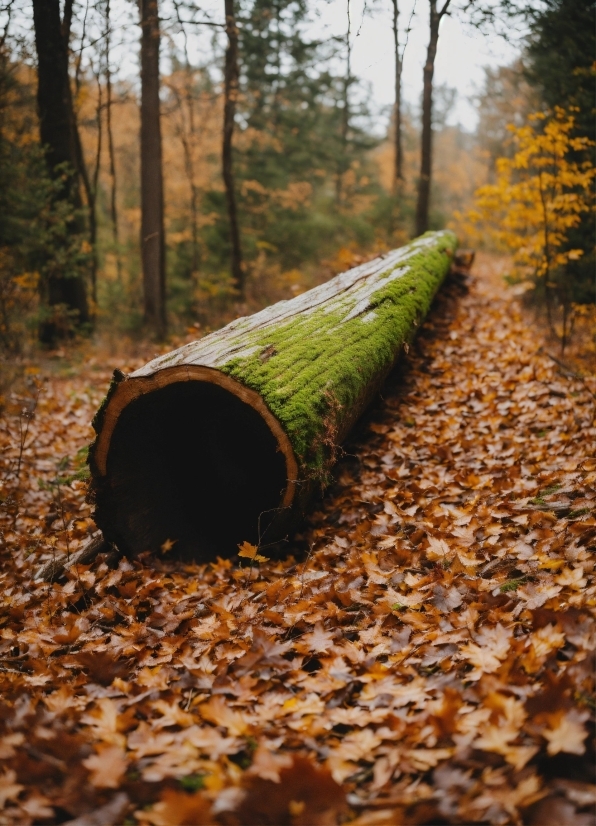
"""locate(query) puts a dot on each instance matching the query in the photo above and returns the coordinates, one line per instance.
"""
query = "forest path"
(431, 653)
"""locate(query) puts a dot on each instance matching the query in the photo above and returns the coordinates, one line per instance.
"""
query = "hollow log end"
(189, 460)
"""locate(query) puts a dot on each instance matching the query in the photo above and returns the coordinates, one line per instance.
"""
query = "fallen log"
(225, 439)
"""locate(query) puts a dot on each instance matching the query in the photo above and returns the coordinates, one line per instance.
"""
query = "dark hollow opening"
(194, 464)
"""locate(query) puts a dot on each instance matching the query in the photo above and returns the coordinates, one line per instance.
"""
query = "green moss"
(323, 362)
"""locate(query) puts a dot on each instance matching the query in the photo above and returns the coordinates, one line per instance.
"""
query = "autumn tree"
(422, 206)
(63, 282)
(540, 195)
(506, 98)
(293, 140)
(24, 182)
(152, 201)
(560, 67)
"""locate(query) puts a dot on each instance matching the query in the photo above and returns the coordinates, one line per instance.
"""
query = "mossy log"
(226, 438)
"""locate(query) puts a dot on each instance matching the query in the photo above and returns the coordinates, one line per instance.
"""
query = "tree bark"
(59, 139)
(342, 161)
(422, 206)
(398, 151)
(187, 132)
(231, 76)
(152, 204)
(110, 137)
(225, 439)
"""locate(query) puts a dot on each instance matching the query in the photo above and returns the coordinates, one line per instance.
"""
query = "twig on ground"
(55, 568)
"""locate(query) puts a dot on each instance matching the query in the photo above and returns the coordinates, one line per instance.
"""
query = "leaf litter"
(429, 659)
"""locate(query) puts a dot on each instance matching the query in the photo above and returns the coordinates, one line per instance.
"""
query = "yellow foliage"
(539, 194)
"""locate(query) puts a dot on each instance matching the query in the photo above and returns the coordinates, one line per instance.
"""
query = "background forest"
(274, 173)
(421, 649)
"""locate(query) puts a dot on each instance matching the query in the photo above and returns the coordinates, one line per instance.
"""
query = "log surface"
(309, 366)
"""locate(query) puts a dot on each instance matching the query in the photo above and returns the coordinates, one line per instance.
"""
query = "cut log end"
(192, 458)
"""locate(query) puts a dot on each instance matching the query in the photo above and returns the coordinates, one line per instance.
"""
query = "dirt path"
(430, 660)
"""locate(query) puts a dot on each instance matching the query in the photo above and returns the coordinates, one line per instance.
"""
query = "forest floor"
(428, 659)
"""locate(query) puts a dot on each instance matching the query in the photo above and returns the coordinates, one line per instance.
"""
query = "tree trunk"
(422, 206)
(231, 74)
(225, 439)
(398, 152)
(152, 209)
(342, 162)
(110, 137)
(57, 133)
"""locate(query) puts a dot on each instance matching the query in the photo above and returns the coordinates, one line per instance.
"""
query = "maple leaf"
(572, 578)
(249, 551)
(566, 733)
(547, 639)
(171, 715)
(484, 660)
(104, 722)
(305, 795)
(317, 641)
(177, 808)
(107, 767)
(38, 807)
(210, 742)
(143, 741)
(496, 738)
(446, 600)
(167, 546)
(267, 765)
(219, 712)
(102, 666)
(303, 706)
(265, 650)
(437, 549)
(8, 743)
(425, 759)
(536, 595)
(9, 790)
(63, 699)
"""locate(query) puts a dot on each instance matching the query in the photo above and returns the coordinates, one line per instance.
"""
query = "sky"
(462, 55)
(462, 52)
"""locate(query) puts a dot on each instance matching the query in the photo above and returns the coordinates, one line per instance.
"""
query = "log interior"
(194, 463)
